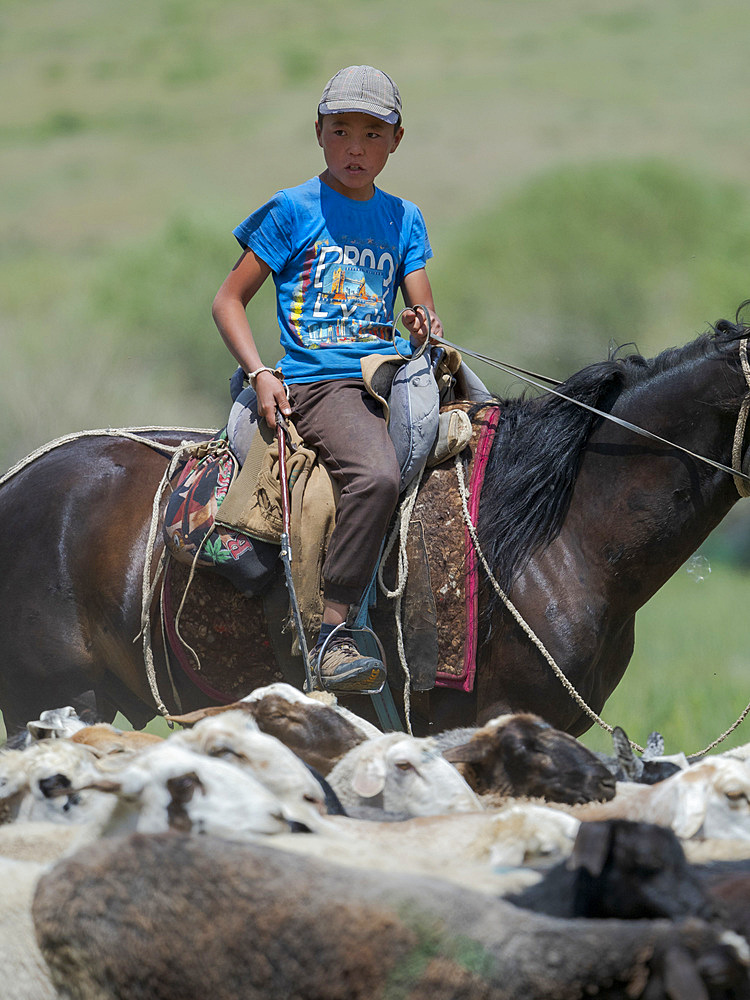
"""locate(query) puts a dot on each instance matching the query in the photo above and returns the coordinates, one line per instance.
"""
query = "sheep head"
(523, 755)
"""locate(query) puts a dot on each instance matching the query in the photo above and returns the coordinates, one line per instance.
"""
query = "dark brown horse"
(581, 519)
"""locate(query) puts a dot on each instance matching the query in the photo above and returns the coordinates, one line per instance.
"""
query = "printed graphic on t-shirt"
(350, 287)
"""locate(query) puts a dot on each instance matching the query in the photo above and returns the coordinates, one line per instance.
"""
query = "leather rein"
(741, 479)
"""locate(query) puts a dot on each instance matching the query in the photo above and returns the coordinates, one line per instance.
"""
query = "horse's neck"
(642, 509)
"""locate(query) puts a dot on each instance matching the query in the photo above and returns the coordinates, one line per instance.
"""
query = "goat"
(522, 755)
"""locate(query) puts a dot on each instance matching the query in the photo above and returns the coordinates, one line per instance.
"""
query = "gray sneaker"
(345, 669)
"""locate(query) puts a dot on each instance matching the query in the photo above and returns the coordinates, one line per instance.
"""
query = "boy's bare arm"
(228, 311)
(416, 290)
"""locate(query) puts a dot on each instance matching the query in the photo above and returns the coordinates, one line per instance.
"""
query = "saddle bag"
(191, 535)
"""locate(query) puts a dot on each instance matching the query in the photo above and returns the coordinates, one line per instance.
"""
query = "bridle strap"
(739, 431)
(738, 475)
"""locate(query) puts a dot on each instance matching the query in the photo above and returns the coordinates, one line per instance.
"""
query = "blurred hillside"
(582, 166)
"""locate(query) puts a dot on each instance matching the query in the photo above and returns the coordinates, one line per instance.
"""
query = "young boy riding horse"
(339, 249)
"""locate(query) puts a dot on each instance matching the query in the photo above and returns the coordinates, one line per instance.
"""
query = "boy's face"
(356, 147)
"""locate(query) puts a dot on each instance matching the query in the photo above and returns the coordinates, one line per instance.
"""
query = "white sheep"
(55, 723)
(173, 787)
(401, 774)
(25, 972)
(40, 782)
(235, 737)
(491, 852)
(324, 699)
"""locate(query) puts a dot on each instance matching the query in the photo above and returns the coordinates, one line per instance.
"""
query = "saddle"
(243, 517)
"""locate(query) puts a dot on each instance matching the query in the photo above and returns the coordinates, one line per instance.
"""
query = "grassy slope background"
(582, 166)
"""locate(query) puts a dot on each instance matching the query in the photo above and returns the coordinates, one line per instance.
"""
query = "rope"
(464, 493)
(148, 587)
(132, 433)
(165, 642)
(736, 473)
(401, 531)
(178, 615)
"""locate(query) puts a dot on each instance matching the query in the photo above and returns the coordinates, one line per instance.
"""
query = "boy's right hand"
(271, 396)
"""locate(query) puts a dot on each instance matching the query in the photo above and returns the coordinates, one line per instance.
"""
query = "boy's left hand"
(415, 322)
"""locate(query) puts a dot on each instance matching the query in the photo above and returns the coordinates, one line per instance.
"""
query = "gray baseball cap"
(362, 88)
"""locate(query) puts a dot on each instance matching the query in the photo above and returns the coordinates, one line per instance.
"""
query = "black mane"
(540, 442)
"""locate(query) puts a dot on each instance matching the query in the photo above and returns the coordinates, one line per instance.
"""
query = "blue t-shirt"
(337, 264)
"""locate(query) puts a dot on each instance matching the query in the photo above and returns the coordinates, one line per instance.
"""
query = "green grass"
(688, 676)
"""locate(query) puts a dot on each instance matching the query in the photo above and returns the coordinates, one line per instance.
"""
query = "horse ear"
(591, 848)
(369, 774)
(204, 713)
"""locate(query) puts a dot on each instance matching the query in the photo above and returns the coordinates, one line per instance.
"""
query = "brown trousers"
(347, 427)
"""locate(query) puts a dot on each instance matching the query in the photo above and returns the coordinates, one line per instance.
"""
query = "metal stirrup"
(349, 628)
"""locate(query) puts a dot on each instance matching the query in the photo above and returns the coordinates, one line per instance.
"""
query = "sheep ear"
(591, 848)
(102, 786)
(203, 713)
(692, 801)
(654, 746)
(369, 774)
(468, 753)
(631, 765)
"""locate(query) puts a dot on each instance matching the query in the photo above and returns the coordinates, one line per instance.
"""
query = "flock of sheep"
(284, 848)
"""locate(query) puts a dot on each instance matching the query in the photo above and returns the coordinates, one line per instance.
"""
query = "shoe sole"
(368, 681)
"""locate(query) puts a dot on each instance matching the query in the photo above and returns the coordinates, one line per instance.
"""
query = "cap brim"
(342, 108)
